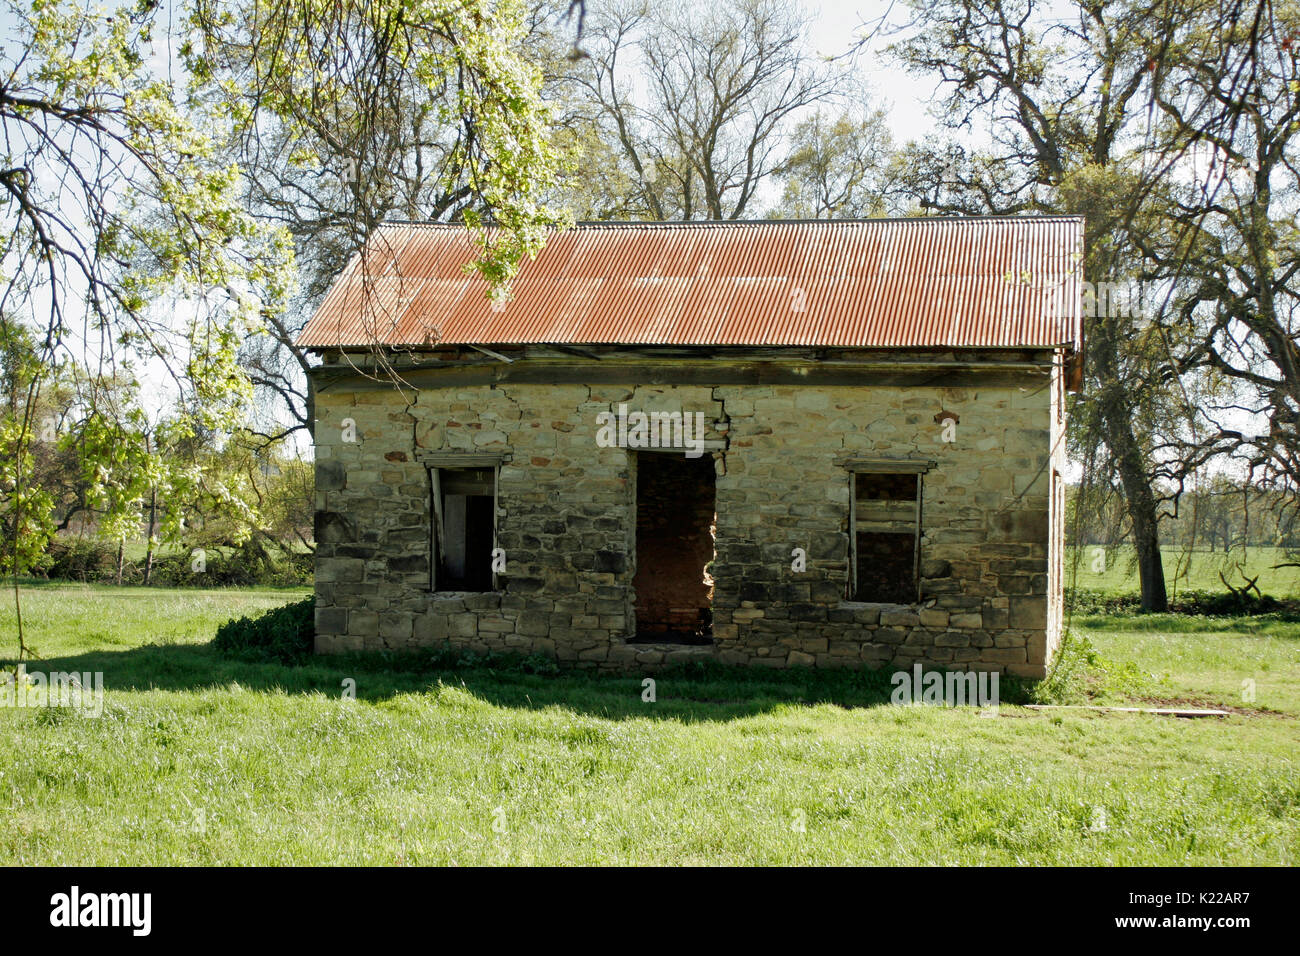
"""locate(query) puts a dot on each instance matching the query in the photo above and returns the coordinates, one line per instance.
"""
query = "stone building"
(831, 444)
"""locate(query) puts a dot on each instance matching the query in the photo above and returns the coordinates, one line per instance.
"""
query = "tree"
(840, 167)
(127, 245)
(112, 201)
(349, 112)
(1227, 88)
(1060, 96)
(25, 514)
(722, 85)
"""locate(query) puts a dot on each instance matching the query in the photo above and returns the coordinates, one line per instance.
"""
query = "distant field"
(136, 551)
(1197, 571)
(200, 759)
(63, 618)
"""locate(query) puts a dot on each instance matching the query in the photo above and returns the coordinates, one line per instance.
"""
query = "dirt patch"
(1206, 703)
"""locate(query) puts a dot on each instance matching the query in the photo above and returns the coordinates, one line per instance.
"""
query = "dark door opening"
(464, 531)
(676, 505)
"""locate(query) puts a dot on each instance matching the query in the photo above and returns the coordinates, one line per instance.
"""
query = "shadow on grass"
(696, 692)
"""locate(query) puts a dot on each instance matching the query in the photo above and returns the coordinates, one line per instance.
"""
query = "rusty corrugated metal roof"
(940, 282)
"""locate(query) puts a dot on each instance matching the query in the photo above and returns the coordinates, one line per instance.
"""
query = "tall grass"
(201, 758)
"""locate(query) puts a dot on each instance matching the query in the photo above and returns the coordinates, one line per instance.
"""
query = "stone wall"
(567, 519)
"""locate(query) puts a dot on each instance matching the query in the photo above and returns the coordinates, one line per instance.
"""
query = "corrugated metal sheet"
(941, 282)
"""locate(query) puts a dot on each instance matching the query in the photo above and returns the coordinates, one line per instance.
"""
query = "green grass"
(1196, 570)
(1210, 658)
(199, 759)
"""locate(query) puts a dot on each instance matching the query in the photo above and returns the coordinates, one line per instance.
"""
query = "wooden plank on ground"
(1162, 711)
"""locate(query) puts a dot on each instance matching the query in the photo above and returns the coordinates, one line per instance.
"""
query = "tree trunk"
(1151, 569)
(1117, 429)
(310, 406)
(153, 522)
(121, 544)
(1142, 512)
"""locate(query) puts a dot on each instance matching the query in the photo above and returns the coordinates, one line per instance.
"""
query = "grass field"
(1196, 570)
(199, 759)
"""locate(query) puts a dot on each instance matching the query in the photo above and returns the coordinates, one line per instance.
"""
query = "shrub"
(1219, 604)
(1080, 674)
(283, 635)
(1208, 603)
(252, 564)
(1087, 601)
(80, 559)
(249, 565)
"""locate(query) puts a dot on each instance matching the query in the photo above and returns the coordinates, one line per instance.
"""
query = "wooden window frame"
(884, 466)
(444, 461)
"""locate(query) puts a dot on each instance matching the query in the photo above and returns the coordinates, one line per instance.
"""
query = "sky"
(905, 98)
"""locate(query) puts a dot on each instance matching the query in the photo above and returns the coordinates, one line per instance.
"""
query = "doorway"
(676, 523)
